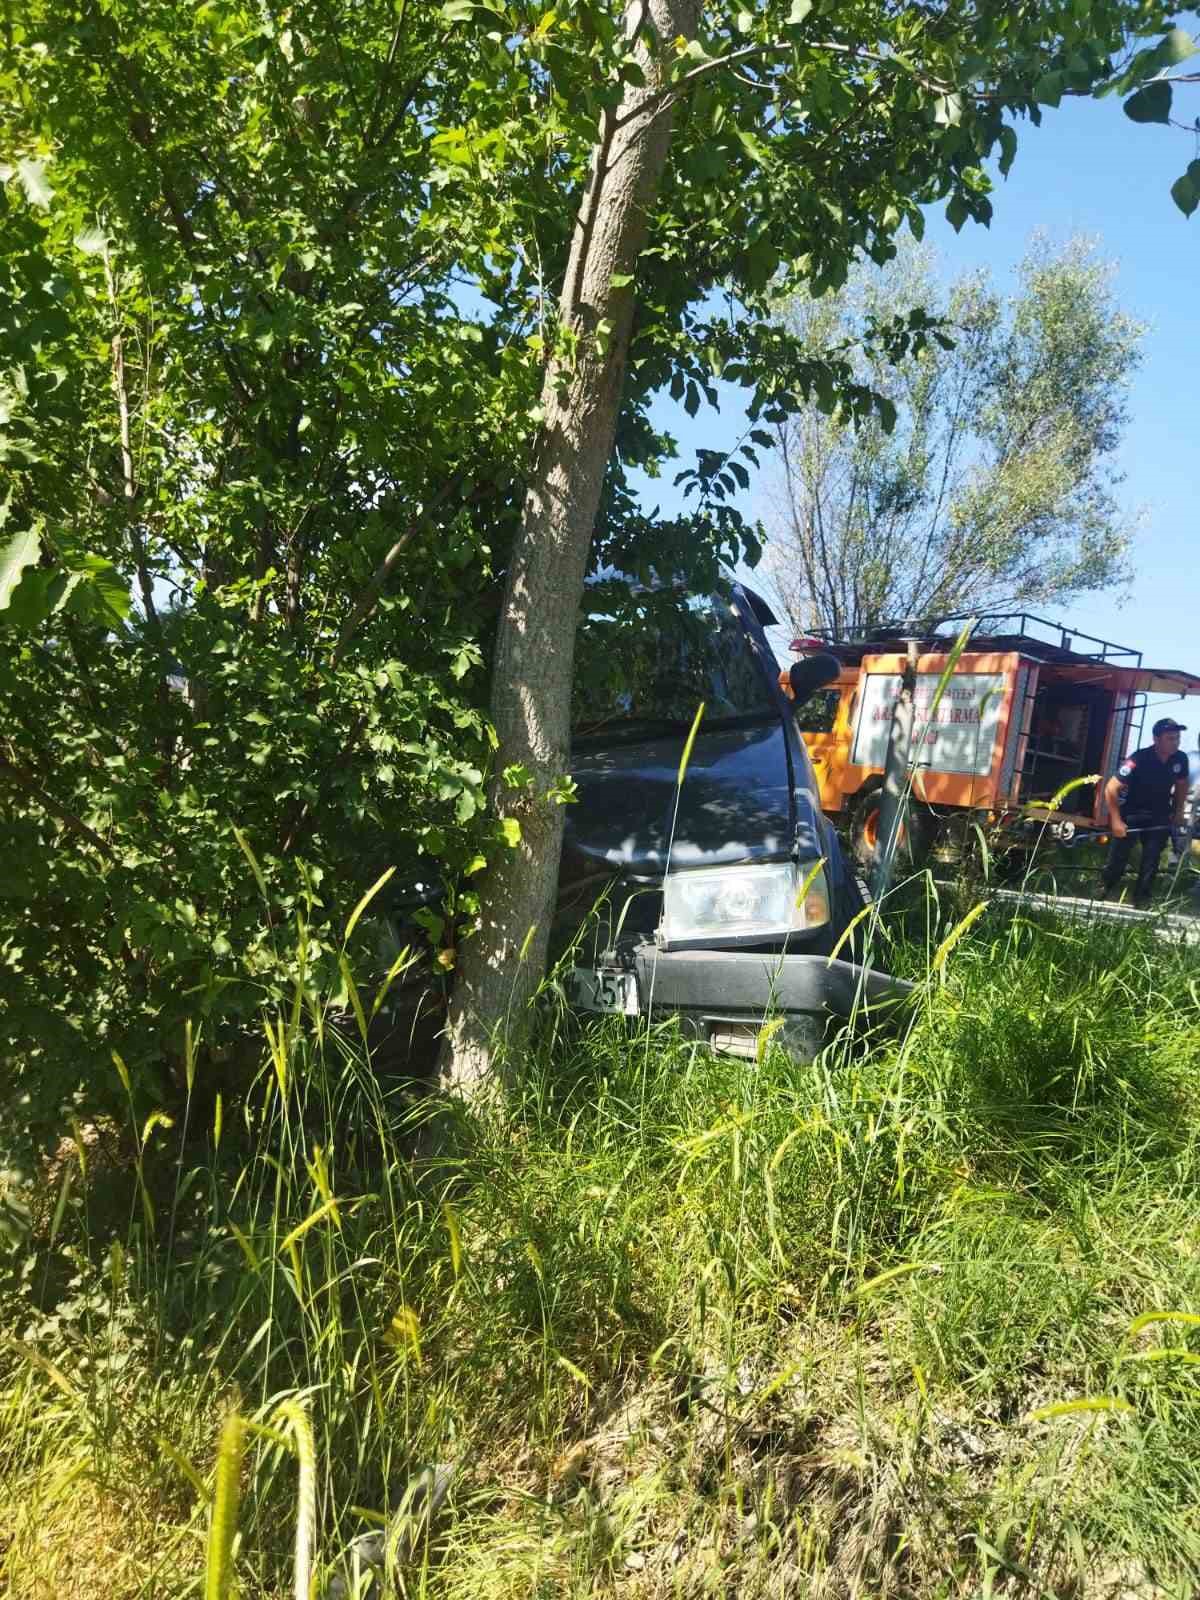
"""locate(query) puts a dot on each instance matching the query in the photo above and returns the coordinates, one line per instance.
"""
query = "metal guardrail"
(1179, 926)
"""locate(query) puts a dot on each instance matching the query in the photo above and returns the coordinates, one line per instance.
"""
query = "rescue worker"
(1145, 800)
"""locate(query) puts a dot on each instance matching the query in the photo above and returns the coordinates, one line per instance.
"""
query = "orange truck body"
(1009, 732)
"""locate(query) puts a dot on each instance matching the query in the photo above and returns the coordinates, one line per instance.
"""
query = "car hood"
(736, 803)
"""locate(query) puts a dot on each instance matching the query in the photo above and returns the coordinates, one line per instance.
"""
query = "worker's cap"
(1168, 725)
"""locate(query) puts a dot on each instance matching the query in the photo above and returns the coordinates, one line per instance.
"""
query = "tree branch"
(127, 473)
(385, 75)
(674, 91)
(18, 776)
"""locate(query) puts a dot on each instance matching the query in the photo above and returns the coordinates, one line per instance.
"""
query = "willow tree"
(997, 486)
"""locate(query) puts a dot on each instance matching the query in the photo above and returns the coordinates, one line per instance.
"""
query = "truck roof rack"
(992, 630)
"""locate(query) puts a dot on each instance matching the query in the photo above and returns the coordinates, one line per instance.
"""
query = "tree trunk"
(502, 964)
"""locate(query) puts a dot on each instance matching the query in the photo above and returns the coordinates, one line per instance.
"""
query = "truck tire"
(916, 837)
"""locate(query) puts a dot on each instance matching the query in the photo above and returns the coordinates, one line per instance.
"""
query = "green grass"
(680, 1324)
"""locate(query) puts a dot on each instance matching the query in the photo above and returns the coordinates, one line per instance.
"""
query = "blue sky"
(1089, 169)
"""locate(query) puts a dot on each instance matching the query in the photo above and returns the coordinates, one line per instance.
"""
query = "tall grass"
(656, 1320)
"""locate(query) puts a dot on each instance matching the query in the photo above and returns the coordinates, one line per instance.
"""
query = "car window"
(818, 712)
(654, 655)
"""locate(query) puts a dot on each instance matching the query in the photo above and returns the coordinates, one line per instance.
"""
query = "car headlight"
(737, 903)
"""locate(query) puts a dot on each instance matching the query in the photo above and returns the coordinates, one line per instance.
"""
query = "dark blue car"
(721, 897)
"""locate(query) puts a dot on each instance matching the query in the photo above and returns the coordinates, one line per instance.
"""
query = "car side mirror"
(811, 673)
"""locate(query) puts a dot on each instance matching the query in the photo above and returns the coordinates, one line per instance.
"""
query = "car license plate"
(601, 990)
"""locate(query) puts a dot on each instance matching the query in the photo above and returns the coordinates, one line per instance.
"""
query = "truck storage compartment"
(1067, 734)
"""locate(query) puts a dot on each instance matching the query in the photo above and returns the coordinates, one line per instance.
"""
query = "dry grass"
(69, 1539)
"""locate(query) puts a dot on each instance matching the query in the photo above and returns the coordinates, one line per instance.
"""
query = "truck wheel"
(916, 836)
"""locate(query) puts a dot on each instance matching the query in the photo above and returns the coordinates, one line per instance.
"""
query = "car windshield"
(649, 657)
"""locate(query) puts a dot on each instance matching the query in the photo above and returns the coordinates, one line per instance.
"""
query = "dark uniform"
(1148, 807)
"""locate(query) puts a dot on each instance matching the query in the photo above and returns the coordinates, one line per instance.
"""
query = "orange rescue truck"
(1030, 707)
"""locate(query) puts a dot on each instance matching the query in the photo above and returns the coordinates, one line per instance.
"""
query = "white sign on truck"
(956, 735)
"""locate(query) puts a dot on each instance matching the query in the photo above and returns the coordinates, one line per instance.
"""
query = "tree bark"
(501, 965)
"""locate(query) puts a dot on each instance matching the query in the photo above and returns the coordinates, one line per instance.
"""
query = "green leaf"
(759, 263)
(32, 177)
(1176, 46)
(510, 831)
(60, 589)
(1047, 91)
(1183, 192)
(1008, 149)
(753, 146)
(956, 212)
(106, 591)
(33, 600)
(947, 110)
(23, 550)
(1151, 104)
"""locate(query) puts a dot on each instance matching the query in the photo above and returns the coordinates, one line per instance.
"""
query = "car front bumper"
(725, 997)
